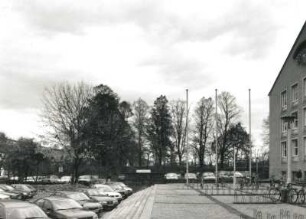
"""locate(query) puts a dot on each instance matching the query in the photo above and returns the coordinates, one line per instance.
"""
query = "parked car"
(172, 176)
(209, 177)
(14, 178)
(51, 179)
(190, 176)
(26, 190)
(87, 179)
(30, 179)
(128, 190)
(13, 209)
(225, 176)
(82, 199)
(107, 202)
(10, 191)
(238, 174)
(121, 177)
(65, 179)
(59, 207)
(118, 188)
(107, 190)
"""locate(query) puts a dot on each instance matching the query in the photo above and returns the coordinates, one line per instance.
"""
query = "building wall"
(291, 73)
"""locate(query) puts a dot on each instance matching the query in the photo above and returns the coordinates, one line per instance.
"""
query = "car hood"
(91, 205)
(10, 194)
(103, 198)
(128, 189)
(75, 213)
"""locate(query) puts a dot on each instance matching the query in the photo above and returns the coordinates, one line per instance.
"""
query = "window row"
(294, 94)
(294, 146)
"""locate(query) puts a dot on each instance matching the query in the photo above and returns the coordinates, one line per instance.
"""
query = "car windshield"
(7, 188)
(122, 184)
(94, 192)
(106, 189)
(84, 177)
(115, 186)
(78, 196)
(30, 187)
(24, 187)
(25, 212)
(208, 174)
(63, 204)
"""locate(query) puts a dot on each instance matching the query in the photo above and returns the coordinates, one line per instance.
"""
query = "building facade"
(288, 98)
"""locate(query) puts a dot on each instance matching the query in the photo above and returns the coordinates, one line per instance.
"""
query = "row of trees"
(24, 157)
(93, 123)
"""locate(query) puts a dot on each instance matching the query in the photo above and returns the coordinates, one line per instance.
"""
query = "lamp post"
(288, 120)
(257, 159)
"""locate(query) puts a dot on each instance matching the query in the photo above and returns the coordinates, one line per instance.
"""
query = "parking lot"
(167, 201)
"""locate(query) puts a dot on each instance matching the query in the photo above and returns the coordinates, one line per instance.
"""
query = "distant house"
(288, 98)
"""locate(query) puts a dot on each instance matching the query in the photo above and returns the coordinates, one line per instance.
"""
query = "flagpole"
(216, 134)
(250, 136)
(187, 147)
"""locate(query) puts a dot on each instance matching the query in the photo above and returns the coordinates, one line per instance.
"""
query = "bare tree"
(64, 113)
(140, 120)
(229, 112)
(265, 135)
(178, 114)
(203, 117)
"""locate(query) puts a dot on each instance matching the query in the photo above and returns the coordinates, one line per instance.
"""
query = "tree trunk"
(139, 151)
(180, 158)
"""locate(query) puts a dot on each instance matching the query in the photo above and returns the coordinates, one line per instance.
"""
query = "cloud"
(177, 69)
(21, 91)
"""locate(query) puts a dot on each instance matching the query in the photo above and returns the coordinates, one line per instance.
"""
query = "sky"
(143, 48)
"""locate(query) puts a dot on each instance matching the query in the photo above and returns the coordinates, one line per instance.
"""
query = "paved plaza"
(165, 201)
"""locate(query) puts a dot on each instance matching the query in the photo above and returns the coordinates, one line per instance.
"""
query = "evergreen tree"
(160, 130)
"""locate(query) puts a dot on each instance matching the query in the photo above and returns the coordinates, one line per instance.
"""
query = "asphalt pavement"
(171, 201)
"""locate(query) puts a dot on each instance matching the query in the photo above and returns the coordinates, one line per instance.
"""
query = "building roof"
(289, 55)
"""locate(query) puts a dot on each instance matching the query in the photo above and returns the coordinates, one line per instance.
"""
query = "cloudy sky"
(143, 48)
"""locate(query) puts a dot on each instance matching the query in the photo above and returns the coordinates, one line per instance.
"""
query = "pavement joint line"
(224, 205)
(148, 207)
(181, 203)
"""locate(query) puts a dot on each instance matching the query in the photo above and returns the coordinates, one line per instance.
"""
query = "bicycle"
(301, 195)
(292, 194)
(275, 190)
(274, 193)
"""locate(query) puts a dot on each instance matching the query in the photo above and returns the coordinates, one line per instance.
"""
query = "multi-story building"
(288, 98)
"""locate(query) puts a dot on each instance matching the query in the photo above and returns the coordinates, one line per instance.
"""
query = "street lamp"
(288, 120)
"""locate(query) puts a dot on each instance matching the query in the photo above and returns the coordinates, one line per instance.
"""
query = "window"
(284, 126)
(295, 123)
(284, 100)
(284, 149)
(304, 114)
(294, 90)
(305, 146)
(295, 147)
(304, 87)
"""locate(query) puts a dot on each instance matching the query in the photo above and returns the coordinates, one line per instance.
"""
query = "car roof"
(15, 203)
(69, 192)
(55, 198)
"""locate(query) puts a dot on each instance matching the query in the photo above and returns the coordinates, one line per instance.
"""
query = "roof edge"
(291, 51)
